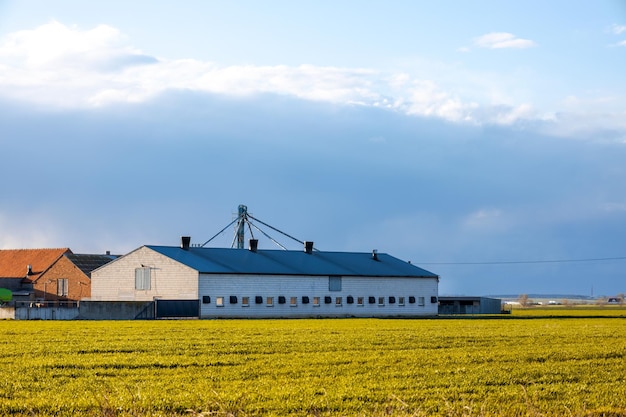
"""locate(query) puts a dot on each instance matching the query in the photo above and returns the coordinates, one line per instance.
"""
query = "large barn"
(248, 283)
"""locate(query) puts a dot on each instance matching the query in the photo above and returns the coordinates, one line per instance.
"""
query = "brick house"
(48, 274)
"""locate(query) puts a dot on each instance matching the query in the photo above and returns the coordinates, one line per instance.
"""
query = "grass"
(582, 310)
(351, 367)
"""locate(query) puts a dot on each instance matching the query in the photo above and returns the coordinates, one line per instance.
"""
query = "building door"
(177, 308)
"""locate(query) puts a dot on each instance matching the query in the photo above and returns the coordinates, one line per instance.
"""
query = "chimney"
(185, 241)
(254, 244)
(308, 247)
(375, 255)
(108, 253)
(29, 270)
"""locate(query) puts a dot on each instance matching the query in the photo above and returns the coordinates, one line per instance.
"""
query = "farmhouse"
(224, 282)
(44, 275)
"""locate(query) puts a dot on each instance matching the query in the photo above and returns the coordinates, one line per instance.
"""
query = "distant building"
(48, 274)
(469, 305)
(220, 282)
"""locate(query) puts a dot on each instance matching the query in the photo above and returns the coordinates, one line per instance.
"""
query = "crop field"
(350, 367)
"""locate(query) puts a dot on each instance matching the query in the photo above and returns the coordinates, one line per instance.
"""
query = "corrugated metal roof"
(279, 262)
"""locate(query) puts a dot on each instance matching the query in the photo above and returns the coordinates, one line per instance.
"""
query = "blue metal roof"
(280, 262)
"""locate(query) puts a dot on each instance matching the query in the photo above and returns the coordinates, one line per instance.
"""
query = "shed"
(469, 305)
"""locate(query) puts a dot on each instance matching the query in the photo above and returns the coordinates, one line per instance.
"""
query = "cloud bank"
(59, 66)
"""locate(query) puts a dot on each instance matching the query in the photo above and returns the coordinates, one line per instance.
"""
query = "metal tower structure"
(243, 219)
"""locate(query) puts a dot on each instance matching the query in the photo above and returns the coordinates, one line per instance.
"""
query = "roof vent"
(375, 255)
(254, 245)
(308, 247)
(185, 242)
(29, 270)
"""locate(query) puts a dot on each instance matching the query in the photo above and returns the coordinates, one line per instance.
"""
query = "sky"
(484, 141)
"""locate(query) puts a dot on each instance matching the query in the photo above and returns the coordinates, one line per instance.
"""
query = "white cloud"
(500, 40)
(622, 43)
(487, 219)
(617, 29)
(65, 66)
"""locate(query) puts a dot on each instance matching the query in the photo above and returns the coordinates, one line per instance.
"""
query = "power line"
(525, 262)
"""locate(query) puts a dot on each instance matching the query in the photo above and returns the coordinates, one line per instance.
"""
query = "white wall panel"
(298, 286)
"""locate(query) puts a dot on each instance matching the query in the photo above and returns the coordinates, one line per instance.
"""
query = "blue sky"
(444, 133)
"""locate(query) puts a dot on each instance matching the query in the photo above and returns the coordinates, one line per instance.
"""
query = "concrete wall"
(45, 313)
(398, 290)
(7, 312)
(169, 279)
(112, 310)
(88, 310)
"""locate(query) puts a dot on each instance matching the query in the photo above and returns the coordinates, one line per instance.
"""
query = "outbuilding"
(238, 283)
(469, 305)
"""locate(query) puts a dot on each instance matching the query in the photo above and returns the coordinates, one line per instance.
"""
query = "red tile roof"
(14, 262)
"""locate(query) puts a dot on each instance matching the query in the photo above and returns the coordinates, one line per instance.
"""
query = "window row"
(317, 301)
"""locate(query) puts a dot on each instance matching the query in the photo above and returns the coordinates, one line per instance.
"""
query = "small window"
(245, 301)
(411, 300)
(392, 300)
(334, 283)
(281, 300)
(233, 299)
(433, 299)
(381, 301)
(328, 300)
(305, 300)
(338, 301)
(420, 301)
(400, 301)
(206, 299)
(142, 278)
(293, 301)
(62, 286)
(371, 300)
(316, 301)
(360, 301)
(350, 299)
(258, 300)
(269, 301)
(219, 301)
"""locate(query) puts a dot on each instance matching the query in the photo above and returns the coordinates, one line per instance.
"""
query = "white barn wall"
(169, 279)
(215, 285)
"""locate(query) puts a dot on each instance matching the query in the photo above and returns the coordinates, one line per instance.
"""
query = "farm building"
(44, 275)
(469, 305)
(224, 282)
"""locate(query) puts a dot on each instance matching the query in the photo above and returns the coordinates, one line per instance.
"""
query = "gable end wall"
(170, 280)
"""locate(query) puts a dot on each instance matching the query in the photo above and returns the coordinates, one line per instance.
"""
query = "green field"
(446, 367)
